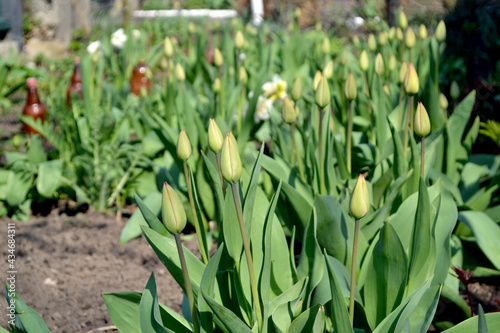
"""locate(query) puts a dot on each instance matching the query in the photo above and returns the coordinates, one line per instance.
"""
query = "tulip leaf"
(151, 219)
(133, 227)
(210, 286)
(26, 319)
(311, 320)
(149, 311)
(231, 322)
(472, 324)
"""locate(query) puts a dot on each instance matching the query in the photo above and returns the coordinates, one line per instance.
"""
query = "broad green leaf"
(231, 228)
(133, 227)
(26, 319)
(149, 310)
(151, 219)
(35, 152)
(472, 324)
(311, 320)
(210, 286)
(18, 185)
(482, 326)
(48, 180)
(231, 322)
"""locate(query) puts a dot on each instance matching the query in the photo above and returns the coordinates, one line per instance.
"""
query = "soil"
(65, 263)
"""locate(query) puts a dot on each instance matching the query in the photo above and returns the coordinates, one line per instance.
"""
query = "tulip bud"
(355, 41)
(288, 111)
(360, 199)
(410, 38)
(443, 101)
(399, 34)
(403, 21)
(231, 166)
(328, 71)
(422, 32)
(392, 33)
(364, 62)
(316, 80)
(169, 49)
(402, 72)
(215, 139)
(411, 80)
(372, 43)
(242, 75)
(379, 64)
(441, 32)
(350, 88)
(172, 210)
(454, 90)
(297, 89)
(239, 40)
(218, 58)
(325, 47)
(422, 123)
(183, 146)
(297, 13)
(322, 93)
(191, 28)
(392, 63)
(382, 38)
(217, 85)
(179, 72)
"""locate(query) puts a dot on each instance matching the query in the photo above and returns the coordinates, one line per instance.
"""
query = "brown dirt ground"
(66, 262)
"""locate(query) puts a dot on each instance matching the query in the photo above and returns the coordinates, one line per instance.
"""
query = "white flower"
(242, 56)
(263, 109)
(276, 89)
(377, 19)
(118, 39)
(355, 23)
(136, 34)
(94, 47)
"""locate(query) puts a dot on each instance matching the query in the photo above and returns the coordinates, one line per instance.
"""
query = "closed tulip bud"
(239, 40)
(454, 90)
(328, 71)
(355, 41)
(392, 63)
(172, 210)
(379, 64)
(215, 138)
(322, 93)
(411, 80)
(410, 38)
(372, 43)
(364, 62)
(242, 75)
(183, 146)
(443, 101)
(297, 89)
(360, 199)
(403, 21)
(179, 72)
(231, 166)
(399, 34)
(350, 88)
(386, 89)
(441, 32)
(217, 85)
(392, 33)
(422, 123)
(316, 80)
(382, 38)
(191, 28)
(422, 32)
(297, 12)
(169, 49)
(288, 111)
(218, 58)
(402, 72)
(325, 47)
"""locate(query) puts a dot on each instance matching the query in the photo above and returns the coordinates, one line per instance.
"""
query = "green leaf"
(482, 326)
(133, 227)
(35, 152)
(26, 319)
(487, 234)
(17, 187)
(231, 229)
(231, 322)
(310, 320)
(472, 324)
(149, 311)
(151, 219)
(49, 175)
(210, 286)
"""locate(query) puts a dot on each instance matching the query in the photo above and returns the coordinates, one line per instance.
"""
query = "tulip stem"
(220, 175)
(197, 226)
(409, 111)
(367, 90)
(240, 109)
(349, 134)
(400, 122)
(294, 149)
(248, 254)
(353, 270)
(422, 154)
(187, 283)
(322, 187)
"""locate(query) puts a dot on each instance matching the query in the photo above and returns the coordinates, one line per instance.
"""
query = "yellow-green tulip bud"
(325, 47)
(218, 58)
(322, 93)
(297, 12)
(242, 75)
(422, 32)
(169, 49)
(441, 32)
(297, 89)
(372, 43)
(382, 38)
(392, 33)
(316, 80)
(403, 21)
(399, 34)
(422, 125)
(402, 72)
(350, 88)
(231, 166)
(179, 72)
(411, 80)
(183, 146)
(392, 63)
(386, 89)
(172, 210)
(191, 28)
(360, 199)
(215, 138)
(454, 90)
(410, 38)
(379, 64)
(239, 40)
(288, 111)
(364, 62)
(217, 86)
(355, 41)
(328, 71)
(443, 101)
